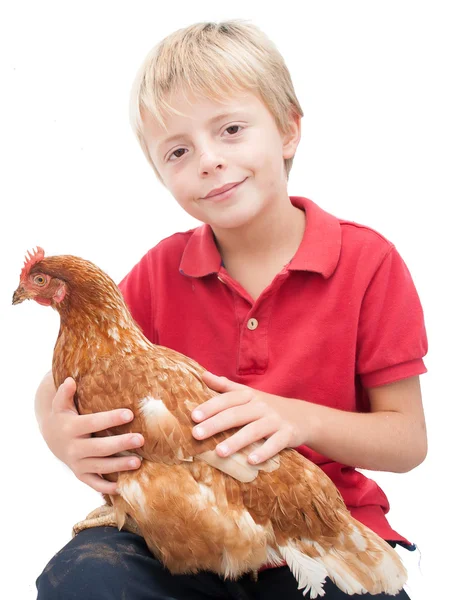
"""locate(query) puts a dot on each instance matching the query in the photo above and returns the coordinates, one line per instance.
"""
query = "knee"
(82, 569)
(59, 579)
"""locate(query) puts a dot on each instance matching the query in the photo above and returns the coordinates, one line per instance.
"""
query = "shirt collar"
(319, 249)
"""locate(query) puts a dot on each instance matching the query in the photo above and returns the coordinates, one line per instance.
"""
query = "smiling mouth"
(214, 196)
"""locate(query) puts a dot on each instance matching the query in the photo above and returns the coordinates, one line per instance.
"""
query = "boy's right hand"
(68, 435)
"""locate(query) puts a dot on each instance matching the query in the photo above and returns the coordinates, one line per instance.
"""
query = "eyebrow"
(211, 121)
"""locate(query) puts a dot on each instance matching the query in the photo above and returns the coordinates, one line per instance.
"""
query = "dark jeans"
(103, 563)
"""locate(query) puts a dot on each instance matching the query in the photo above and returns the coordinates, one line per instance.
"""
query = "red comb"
(30, 259)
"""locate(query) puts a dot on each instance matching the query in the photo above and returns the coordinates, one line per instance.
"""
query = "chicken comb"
(30, 259)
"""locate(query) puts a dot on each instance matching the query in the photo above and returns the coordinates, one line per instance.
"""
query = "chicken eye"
(39, 280)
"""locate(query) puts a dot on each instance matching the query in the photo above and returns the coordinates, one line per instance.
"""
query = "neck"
(278, 231)
(91, 331)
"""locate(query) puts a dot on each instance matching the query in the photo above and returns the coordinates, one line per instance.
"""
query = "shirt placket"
(253, 321)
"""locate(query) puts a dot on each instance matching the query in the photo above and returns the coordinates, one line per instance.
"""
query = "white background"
(379, 85)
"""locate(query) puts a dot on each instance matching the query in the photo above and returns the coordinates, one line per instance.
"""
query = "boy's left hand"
(259, 414)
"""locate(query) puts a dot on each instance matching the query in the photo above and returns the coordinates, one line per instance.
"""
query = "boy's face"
(216, 144)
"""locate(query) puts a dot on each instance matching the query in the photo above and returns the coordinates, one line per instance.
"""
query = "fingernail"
(136, 440)
(223, 449)
(197, 415)
(198, 432)
(253, 458)
(133, 462)
(126, 415)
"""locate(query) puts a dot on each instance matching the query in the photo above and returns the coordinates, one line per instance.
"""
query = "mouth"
(226, 193)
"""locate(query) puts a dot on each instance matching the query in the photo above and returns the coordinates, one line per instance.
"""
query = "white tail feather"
(309, 572)
(273, 557)
(387, 574)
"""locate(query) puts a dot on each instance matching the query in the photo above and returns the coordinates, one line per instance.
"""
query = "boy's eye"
(174, 153)
(233, 129)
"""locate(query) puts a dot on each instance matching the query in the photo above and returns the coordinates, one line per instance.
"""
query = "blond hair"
(213, 60)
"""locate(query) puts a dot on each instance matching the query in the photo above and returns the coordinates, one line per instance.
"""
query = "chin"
(233, 219)
(233, 216)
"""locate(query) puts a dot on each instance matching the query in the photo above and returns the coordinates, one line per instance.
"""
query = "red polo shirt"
(341, 317)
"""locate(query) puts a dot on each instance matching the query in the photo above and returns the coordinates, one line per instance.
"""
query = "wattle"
(42, 301)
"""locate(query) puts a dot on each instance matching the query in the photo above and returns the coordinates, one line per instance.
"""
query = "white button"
(253, 324)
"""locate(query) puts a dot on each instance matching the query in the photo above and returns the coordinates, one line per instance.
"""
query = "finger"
(102, 420)
(226, 419)
(221, 384)
(251, 433)
(219, 403)
(270, 448)
(109, 445)
(99, 484)
(113, 464)
(64, 398)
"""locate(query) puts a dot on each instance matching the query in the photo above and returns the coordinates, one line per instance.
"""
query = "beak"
(20, 295)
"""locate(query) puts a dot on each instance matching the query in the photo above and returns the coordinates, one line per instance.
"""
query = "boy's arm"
(43, 398)
(392, 437)
(68, 435)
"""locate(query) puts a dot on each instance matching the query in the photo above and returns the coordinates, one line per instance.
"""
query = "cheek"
(178, 182)
(268, 170)
(269, 163)
(182, 192)
(183, 183)
(185, 194)
(274, 167)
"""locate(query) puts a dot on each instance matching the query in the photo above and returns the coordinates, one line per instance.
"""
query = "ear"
(291, 138)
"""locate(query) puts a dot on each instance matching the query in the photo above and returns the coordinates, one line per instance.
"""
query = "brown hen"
(196, 510)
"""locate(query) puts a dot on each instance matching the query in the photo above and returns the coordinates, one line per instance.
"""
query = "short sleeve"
(136, 290)
(392, 339)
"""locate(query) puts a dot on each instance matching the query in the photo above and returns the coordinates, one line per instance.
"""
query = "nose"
(211, 160)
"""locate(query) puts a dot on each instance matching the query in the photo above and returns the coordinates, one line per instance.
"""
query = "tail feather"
(359, 562)
(308, 571)
(339, 572)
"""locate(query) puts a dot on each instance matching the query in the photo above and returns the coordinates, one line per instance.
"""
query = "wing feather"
(162, 388)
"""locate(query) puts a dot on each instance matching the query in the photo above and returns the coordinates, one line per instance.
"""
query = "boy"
(314, 321)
